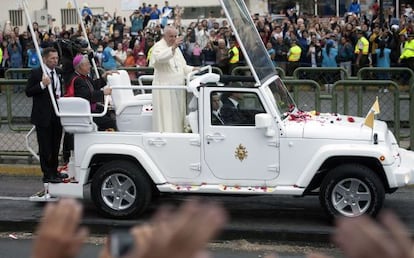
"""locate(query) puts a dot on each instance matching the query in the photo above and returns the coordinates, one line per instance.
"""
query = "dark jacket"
(42, 109)
(90, 91)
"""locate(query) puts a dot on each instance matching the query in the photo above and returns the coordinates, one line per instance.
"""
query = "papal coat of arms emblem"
(241, 152)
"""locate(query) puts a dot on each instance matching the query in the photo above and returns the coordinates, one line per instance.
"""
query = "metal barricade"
(355, 98)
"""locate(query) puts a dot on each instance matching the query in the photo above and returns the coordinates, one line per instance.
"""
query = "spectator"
(222, 56)
(271, 51)
(281, 50)
(345, 55)
(293, 57)
(375, 9)
(148, 48)
(106, 23)
(208, 54)
(120, 55)
(137, 22)
(383, 54)
(117, 37)
(167, 13)
(373, 44)
(201, 36)
(99, 55)
(196, 55)
(154, 16)
(32, 58)
(16, 61)
(130, 62)
(96, 28)
(180, 233)
(234, 55)
(109, 57)
(361, 51)
(119, 26)
(354, 7)
(141, 60)
(407, 55)
(1, 69)
(59, 233)
(146, 10)
(86, 14)
(329, 54)
(314, 54)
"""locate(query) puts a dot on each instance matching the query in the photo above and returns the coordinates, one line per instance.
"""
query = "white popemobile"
(276, 150)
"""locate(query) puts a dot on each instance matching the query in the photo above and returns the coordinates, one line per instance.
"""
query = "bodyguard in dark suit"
(216, 104)
(230, 111)
(48, 127)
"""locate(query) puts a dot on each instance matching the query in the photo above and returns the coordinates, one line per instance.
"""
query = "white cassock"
(170, 68)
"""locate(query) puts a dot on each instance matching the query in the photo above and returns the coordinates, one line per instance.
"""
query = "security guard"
(361, 50)
(407, 54)
(234, 54)
(293, 57)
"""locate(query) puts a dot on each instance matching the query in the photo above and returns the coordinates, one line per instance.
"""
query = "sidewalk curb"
(20, 170)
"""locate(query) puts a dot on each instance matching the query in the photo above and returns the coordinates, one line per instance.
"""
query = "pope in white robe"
(170, 68)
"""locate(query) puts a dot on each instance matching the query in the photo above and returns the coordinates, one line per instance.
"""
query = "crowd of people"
(353, 41)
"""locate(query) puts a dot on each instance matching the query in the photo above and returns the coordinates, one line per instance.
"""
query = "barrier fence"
(320, 89)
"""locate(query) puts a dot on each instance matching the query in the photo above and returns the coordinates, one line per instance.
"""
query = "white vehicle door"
(177, 155)
(233, 148)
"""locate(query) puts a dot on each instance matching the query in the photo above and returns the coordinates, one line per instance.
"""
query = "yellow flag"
(376, 106)
(369, 119)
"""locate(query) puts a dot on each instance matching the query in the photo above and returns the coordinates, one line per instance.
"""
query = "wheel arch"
(329, 164)
(97, 155)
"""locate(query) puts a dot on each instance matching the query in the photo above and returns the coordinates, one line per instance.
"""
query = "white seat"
(193, 121)
(133, 112)
(76, 115)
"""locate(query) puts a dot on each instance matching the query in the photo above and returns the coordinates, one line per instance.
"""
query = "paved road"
(253, 218)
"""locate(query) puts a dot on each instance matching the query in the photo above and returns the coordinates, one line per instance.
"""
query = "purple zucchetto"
(77, 60)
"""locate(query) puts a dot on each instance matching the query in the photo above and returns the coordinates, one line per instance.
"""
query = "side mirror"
(264, 120)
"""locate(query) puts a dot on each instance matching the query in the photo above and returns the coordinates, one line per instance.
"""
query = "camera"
(121, 242)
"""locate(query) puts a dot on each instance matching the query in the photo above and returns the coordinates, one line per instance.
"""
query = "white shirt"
(55, 79)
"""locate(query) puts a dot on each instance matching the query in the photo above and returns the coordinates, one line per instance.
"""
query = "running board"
(234, 189)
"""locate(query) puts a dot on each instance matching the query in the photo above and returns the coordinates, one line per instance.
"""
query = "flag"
(369, 119)
(376, 106)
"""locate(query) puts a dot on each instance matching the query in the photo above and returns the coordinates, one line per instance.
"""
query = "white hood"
(332, 126)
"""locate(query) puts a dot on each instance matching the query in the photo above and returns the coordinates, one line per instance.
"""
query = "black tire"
(351, 190)
(115, 201)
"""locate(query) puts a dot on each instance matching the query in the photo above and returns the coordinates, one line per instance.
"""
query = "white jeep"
(276, 149)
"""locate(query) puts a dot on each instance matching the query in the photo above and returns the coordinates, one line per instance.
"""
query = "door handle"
(217, 137)
(157, 142)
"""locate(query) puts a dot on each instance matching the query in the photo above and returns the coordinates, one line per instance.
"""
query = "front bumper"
(404, 173)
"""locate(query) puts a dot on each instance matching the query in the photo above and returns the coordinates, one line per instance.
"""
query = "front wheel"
(120, 190)
(351, 190)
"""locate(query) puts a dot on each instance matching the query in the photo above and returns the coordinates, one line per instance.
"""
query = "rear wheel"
(119, 189)
(352, 190)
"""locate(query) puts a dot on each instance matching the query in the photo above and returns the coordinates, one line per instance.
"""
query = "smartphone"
(121, 242)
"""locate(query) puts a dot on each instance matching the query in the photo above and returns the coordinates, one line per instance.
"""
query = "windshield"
(281, 98)
(249, 39)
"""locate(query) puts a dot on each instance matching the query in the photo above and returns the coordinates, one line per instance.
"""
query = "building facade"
(55, 13)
